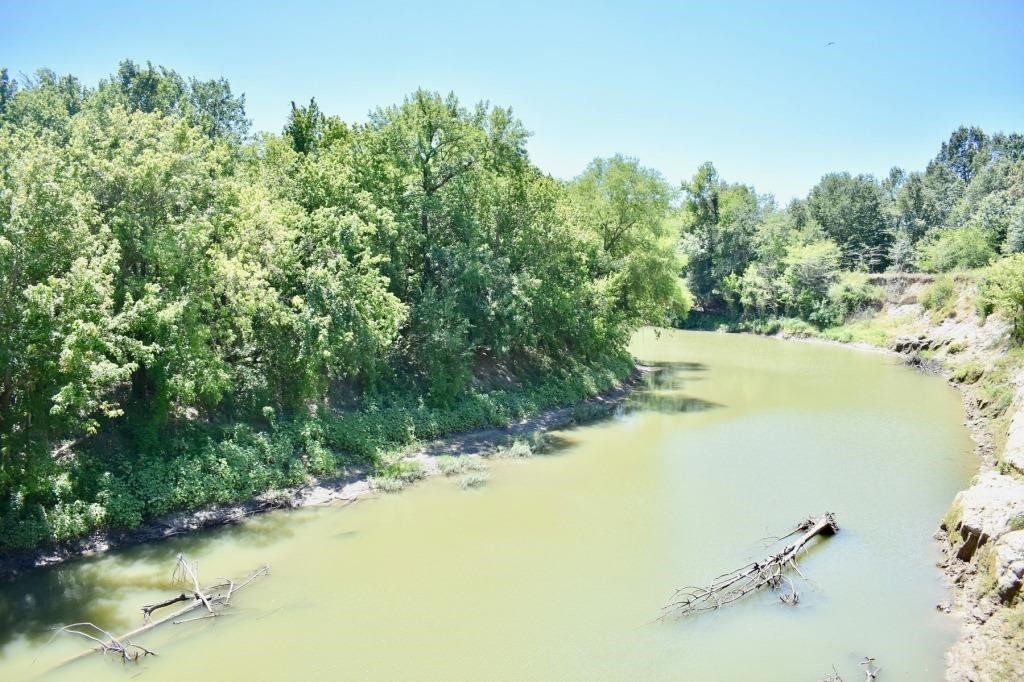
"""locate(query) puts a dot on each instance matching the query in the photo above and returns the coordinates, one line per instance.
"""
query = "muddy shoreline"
(344, 488)
(983, 554)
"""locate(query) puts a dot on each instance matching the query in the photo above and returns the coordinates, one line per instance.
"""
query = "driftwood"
(213, 599)
(769, 572)
(871, 671)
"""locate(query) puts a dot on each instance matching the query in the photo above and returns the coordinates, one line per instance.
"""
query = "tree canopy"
(161, 268)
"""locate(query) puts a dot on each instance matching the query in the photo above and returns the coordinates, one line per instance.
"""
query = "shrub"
(960, 248)
(452, 466)
(475, 479)
(386, 484)
(810, 270)
(1002, 290)
(939, 298)
(969, 372)
(853, 294)
(955, 347)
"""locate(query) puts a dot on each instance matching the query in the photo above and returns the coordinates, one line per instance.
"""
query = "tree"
(8, 87)
(624, 206)
(216, 110)
(719, 226)
(850, 210)
(308, 128)
(965, 153)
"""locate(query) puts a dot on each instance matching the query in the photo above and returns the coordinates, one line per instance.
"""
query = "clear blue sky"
(751, 86)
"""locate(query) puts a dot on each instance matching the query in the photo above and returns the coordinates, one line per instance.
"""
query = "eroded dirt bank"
(982, 535)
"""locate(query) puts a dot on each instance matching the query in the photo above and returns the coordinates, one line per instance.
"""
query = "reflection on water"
(555, 569)
(665, 389)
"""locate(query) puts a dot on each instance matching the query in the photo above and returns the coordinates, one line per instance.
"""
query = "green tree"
(624, 206)
(851, 211)
(965, 153)
(720, 223)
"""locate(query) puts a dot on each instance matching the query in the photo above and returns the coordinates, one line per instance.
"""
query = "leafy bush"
(939, 298)
(961, 248)
(1001, 289)
(969, 372)
(810, 270)
(206, 464)
(452, 466)
(853, 294)
(475, 479)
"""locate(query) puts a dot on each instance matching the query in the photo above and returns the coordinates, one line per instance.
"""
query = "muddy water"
(555, 569)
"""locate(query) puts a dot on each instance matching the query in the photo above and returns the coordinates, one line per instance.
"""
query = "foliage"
(719, 233)
(192, 315)
(939, 298)
(965, 207)
(1001, 289)
(854, 295)
(961, 248)
(450, 465)
(474, 479)
(851, 211)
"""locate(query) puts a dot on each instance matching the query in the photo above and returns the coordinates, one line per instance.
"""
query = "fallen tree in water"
(214, 599)
(768, 573)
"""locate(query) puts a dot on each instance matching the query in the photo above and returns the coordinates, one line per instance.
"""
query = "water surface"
(556, 568)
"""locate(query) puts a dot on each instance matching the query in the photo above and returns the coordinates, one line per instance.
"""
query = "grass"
(453, 466)
(880, 330)
(939, 299)
(993, 391)
(121, 480)
(397, 475)
(474, 479)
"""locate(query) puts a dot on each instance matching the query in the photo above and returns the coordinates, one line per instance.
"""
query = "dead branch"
(148, 609)
(191, 569)
(769, 572)
(871, 670)
(108, 643)
(833, 677)
(209, 599)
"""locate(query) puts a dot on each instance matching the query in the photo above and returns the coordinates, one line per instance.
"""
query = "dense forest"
(194, 313)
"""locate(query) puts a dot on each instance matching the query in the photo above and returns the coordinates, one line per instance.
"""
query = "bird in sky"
(831, 42)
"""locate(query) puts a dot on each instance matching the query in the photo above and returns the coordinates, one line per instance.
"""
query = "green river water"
(556, 568)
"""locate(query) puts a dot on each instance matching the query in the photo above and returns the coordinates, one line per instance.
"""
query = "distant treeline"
(809, 260)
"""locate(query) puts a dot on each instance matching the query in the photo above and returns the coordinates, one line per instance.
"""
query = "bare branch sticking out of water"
(106, 642)
(769, 573)
(212, 598)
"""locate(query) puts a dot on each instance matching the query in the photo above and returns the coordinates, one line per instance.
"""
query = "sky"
(755, 87)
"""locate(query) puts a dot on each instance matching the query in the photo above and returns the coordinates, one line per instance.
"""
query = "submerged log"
(209, 598)
(768, 573)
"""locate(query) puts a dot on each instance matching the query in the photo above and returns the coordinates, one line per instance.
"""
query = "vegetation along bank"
(197, 315)
(927, 265)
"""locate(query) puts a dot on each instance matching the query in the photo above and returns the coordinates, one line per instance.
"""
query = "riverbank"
(982, 536)
(414, 461)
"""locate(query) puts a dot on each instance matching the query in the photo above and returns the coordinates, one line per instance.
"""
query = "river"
(557, 567)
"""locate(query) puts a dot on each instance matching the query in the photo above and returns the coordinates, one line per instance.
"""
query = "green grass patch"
(475, 479)
(453, 466)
